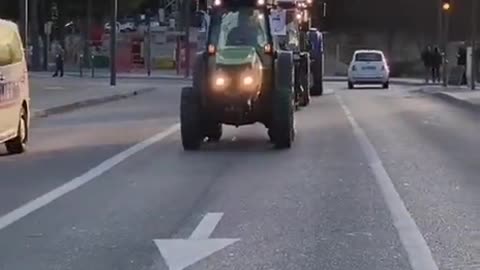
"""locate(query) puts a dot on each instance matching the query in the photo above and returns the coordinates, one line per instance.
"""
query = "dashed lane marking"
(83, 179)
(419, 254)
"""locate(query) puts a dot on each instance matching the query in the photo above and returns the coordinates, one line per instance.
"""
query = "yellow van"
(14, 90)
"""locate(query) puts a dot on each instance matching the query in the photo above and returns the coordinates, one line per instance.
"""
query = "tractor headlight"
(249, 81)
(220, 81)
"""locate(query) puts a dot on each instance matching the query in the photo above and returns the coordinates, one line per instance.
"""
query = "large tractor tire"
(317, 70)
(190, 119)
(191, 114)
(282, 131)
(304, 77)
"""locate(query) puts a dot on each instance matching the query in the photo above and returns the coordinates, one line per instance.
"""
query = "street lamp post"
(446, 5)
(113, 42)
(439, 36)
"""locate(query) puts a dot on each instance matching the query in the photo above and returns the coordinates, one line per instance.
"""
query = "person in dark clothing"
(462, 62)
(437, 59)
(59, 61)
(427, 56)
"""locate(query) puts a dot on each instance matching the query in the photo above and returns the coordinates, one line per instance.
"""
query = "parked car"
(14, 90)
(108, 28)
(368, 67)
(122, 27)
(128, 27)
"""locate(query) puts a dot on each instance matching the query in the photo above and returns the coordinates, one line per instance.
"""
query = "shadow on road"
(238, 145)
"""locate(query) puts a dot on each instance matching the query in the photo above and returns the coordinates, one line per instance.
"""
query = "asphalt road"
(376, 180)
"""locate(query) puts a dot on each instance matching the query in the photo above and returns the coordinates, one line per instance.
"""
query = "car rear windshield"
(368, 57)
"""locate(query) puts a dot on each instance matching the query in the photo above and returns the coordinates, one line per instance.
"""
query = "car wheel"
(351, 85)
(386, 85)
(18, 144)
(190, 120)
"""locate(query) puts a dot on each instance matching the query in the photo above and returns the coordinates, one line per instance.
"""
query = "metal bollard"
(81, 65)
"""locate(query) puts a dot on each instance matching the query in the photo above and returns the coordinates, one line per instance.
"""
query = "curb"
(392, 81)
(157, 77)
(87, 103)
(456, 101)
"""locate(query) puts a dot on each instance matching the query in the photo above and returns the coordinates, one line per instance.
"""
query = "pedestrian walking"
(462, 62)
(59, 55)
(437, 59)
(427, 59)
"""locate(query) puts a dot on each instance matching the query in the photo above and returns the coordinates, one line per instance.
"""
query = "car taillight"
(383, 67)
(354, 68)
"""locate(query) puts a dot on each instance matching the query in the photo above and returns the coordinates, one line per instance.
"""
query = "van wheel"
(18, 144)
(351, 85)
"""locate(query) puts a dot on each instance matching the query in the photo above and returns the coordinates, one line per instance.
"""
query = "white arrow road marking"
(206, 226)
(182, 253)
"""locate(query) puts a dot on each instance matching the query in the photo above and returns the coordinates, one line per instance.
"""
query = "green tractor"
(241, 78)
(311, 41)
(295, 40)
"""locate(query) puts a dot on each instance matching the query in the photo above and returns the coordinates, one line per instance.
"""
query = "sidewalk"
(171, 74)
(105, 73)
(56, 95)
(459, 95)
(400, 81)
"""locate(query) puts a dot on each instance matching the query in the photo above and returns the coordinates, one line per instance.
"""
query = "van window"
(10, 47)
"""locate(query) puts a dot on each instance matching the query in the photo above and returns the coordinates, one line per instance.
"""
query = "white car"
(14, 90)
(128, 27)
(108, 28)
(368, 67)
(122, 27)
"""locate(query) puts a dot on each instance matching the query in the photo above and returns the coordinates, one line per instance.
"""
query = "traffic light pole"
(187, 8)
(24, 24)
(87, 52)
(113, 42)
(148, 41)
(473, 61)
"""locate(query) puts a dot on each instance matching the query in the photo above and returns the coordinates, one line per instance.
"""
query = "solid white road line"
(419, 253)
(85, 178)
(206, 226)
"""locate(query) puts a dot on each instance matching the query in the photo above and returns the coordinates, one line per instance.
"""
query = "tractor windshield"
(243, 27)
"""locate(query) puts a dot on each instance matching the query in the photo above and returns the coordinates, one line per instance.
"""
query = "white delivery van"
(14, 90)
